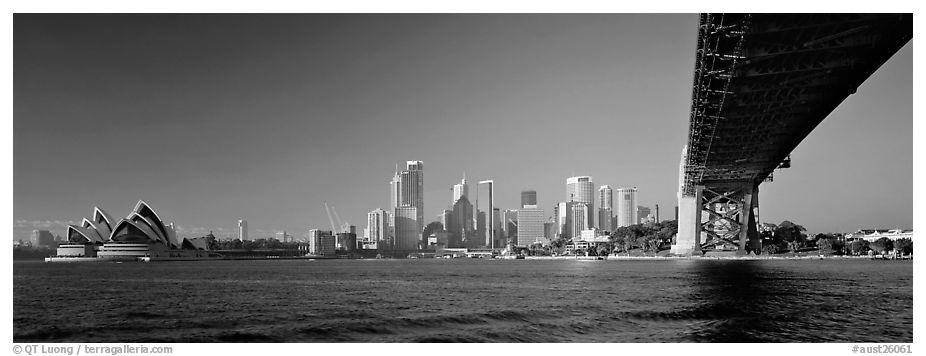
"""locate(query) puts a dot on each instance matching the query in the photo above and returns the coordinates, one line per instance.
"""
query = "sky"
(213, 118)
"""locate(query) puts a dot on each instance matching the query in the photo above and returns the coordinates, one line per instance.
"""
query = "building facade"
(43, 238)
(377, 231)
(530, 227)
(406, 228)
(321, 242)
(626, 207)
(528, 198)
(242, 230)
(581, 189)
(643, 214)
(606, 205)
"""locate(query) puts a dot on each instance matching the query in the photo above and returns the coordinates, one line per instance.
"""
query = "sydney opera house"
(141, 234)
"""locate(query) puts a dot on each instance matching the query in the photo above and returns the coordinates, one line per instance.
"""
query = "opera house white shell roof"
(142, 225)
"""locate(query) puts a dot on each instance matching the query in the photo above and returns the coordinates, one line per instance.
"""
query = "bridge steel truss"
(762, 83)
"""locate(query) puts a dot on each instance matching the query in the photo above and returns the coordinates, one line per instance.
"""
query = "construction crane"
(340, 226)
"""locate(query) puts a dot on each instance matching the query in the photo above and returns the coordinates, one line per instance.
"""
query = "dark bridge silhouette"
(762, 83)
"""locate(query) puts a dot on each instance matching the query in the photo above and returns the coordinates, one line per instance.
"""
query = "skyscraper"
(378, 227)
(460, 190)
(605, 213)
(242, 230)
(528, 198)
(530, 227)
(406, 189)
(579, 223)
(626, 207)
(580, 189)
(406, 228)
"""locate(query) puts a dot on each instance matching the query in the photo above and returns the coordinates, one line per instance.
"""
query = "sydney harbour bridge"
(762, 83)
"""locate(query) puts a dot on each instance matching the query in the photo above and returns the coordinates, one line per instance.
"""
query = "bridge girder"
(762, 83)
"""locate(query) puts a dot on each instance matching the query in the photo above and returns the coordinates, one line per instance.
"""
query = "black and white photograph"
(596, 179)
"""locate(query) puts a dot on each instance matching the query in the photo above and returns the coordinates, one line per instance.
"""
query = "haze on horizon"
(212, 118)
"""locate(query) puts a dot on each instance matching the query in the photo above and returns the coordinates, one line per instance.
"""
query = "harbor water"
(465, 300)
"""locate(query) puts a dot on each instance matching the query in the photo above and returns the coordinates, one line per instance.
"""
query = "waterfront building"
(872, 235)
(626, 207)
(529, 198)
(242, 230)
(321, 242)
(605, 210)
(549, 229)
(377, 228)
(500, 240)
(643, 214)
(530, 228)
(43, 238)
(406, 228)
(141, 233)
(346, 241)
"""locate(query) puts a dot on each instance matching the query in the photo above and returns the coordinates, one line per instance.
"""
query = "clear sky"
(212, 118)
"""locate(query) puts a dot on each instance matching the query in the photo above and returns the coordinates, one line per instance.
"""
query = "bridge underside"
(762, 83)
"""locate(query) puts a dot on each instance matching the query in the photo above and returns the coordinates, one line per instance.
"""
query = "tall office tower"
(499, 240)
(445, 217)
(605, 212)
(43, 238)
(549, 229)
(479, 237)
(626, 207)
(460, 224)
(242, 230)
(579, 222)
(460, 190)
(378, 227)
(580, 189)
(530, 227)
(510, 223)
(528, 198)
(642, 213)
(406, 228)
(563, 214)
(407, 189)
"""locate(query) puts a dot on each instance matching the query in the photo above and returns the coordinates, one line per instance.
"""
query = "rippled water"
(465, 300)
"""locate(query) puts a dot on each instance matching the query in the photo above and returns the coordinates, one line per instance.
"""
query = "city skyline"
(249, 137)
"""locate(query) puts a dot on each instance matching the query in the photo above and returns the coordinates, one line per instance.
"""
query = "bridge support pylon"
(688, 238)
(709, 219)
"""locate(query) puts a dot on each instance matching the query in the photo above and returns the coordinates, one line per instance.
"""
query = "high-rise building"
(528, 198)
(460, 224)
(642, 214)
(500, 240)
(321, 242)
(530, 226)
(626, 207)
(406, 189)
(605, 212)
(579, 221)
(43, 238)
(460, 190)
(378, 228)
(580, 189)
(242, 230)
(406, 228)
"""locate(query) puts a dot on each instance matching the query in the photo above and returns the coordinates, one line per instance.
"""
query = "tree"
(791, 234)
(882, 245)
(829, 246)
(905, 246)
(858, 247)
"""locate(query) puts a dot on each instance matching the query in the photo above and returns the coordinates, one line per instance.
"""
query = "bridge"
(762, 83)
